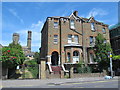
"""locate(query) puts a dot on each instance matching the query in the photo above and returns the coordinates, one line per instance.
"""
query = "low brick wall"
(88, 75)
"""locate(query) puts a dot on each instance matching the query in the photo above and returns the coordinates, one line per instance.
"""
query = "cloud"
(36, 34)
(97, 12)
(12, 11)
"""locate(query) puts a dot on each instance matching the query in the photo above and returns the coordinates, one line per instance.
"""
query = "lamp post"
(110, 55)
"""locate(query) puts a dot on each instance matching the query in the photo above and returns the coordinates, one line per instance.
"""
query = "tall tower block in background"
(29, 40)
(15, 38)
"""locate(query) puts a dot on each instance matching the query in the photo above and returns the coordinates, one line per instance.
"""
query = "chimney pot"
(75, 13)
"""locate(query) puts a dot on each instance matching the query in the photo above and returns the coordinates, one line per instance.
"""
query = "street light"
(110, 56)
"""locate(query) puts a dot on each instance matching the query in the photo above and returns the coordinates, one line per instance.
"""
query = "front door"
(55, 58)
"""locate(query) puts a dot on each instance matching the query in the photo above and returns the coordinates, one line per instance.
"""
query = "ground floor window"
(75, 57)
(68, 57)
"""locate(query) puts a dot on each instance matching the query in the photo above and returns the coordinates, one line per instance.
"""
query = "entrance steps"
(53, 69)
(56, 69)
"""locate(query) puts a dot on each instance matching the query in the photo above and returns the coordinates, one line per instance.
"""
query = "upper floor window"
(76, 38)
(92, 27)
(69, 38)
(55, 23)
(103, 30)
(72, 24)
(91, 40)
(55, 39)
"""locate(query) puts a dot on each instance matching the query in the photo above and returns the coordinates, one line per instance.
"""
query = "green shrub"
(84, 69)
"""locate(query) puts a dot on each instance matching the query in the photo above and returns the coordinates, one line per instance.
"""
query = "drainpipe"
(84, 45)
(60, 43)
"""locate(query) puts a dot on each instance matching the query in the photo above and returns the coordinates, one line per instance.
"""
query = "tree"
(116, 57)
(102, 49)
(12, 55)
(37, 57)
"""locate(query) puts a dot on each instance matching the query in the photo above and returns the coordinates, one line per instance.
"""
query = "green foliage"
(37, 57)
(66, 76)
(116, 57)
(34, 70)
(81, 68)
(30, 62)
(80, 63)
(84, 69)
(101, 52)
(32, 66)
(12, 55)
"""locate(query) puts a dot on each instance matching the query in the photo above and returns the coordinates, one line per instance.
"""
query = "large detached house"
(68, 40)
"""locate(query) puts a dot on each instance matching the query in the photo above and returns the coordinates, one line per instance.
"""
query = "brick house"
(67, 40)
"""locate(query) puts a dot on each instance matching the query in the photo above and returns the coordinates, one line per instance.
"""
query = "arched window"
(75, 53)
(68, 57)
(75, 57)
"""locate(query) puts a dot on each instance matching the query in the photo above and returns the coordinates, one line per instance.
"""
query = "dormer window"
(92, 27)
(72, 24)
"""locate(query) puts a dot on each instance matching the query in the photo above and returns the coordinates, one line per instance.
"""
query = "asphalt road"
(63, 83)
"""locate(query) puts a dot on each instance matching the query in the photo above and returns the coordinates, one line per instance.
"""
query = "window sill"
(93, 30)
(55, 43)
(72, 28)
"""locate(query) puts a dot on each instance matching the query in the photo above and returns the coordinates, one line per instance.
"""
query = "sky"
(19, 17)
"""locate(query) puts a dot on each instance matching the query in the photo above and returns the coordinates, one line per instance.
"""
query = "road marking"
(17, 86)
(79, 87)
(88, 82)
(51, 85)
(99, 86)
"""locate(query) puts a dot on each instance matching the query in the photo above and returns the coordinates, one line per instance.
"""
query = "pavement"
(52, 82)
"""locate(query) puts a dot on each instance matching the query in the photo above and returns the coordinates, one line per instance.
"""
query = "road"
(62, 83)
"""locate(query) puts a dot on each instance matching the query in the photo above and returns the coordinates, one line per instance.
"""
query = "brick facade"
(67, 39)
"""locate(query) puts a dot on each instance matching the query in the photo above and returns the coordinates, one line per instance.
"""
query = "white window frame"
(72, 24)
(91, 40)
(55, 24)
(93, 26)
(103, 30)
(55, 39)
(69, 39)
(76, 39)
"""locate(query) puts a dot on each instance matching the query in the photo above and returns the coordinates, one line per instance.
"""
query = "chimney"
(15, 38)
(75, 13)
(29, 40)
